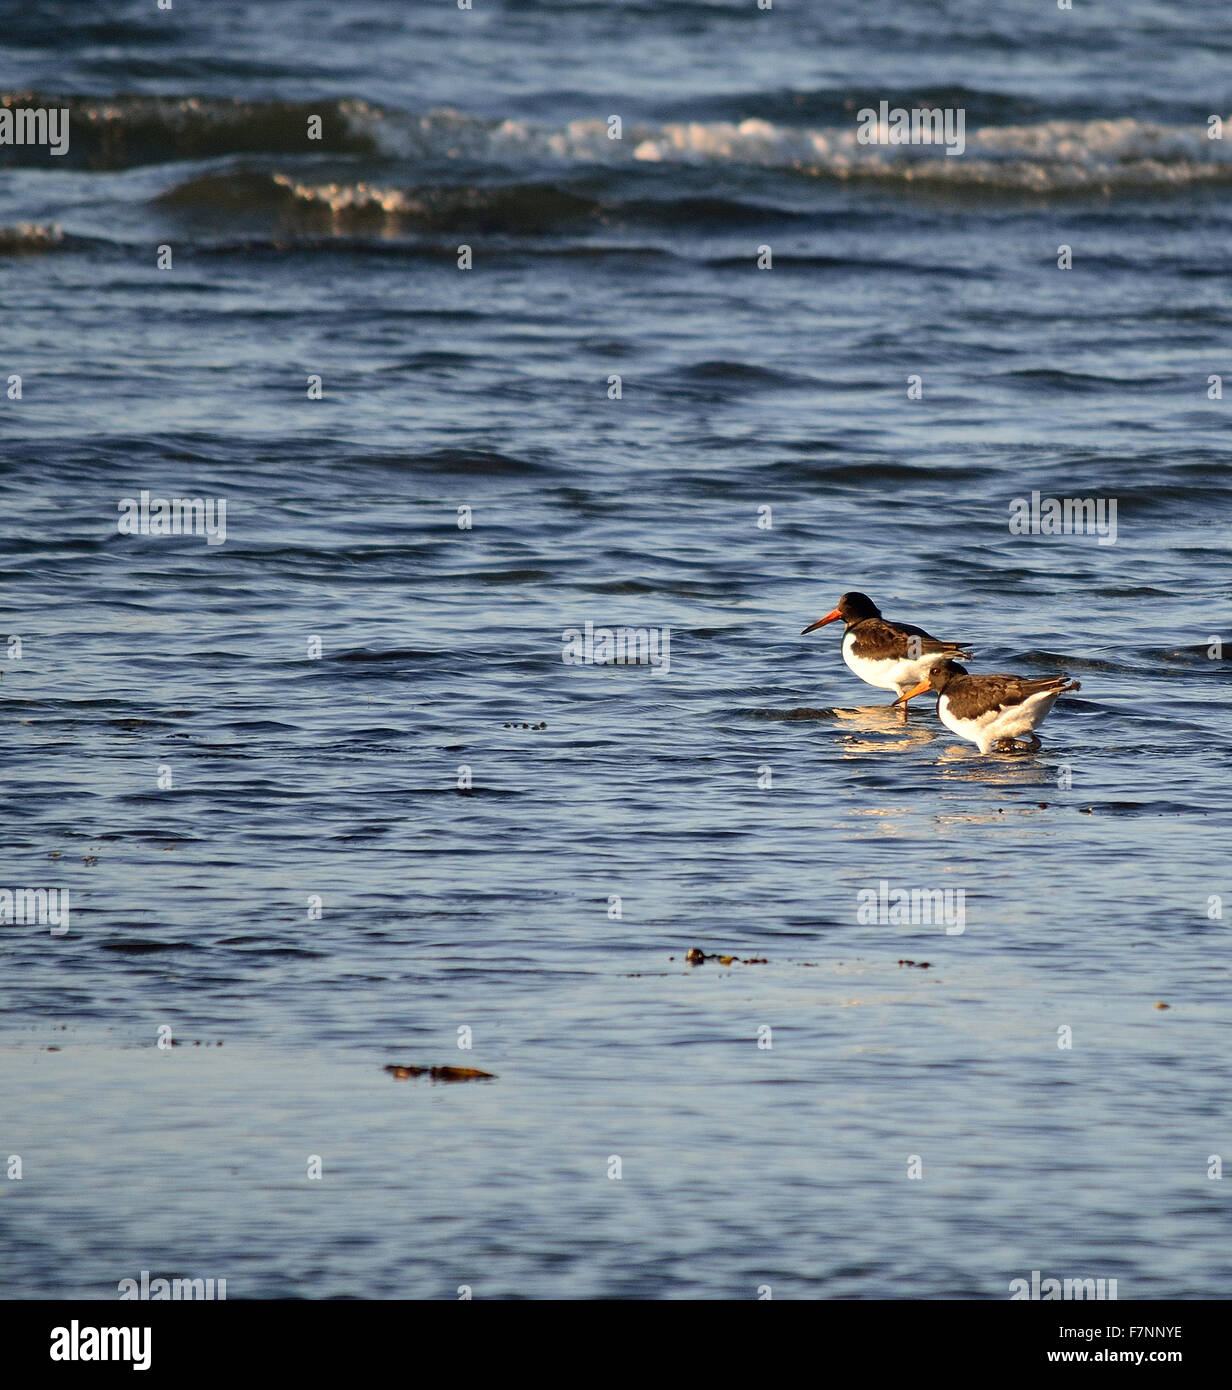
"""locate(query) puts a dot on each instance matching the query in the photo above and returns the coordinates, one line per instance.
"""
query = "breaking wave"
(1044, 156)
(27, 238)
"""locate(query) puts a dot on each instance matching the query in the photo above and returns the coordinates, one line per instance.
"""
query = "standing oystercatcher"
(891, 656)
(991, 710)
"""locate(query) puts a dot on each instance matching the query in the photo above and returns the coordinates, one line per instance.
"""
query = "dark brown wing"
(876, 637)
(970, 696)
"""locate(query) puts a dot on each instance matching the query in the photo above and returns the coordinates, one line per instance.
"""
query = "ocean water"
(326, 793)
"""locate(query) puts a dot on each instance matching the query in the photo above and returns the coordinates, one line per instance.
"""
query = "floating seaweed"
(401, 1073)
(696, 957)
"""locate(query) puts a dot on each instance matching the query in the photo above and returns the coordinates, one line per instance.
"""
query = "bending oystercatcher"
(991, 710)
(891, 656)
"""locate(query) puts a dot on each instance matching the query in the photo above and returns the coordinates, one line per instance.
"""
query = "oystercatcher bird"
(992, 710)
(891, 656)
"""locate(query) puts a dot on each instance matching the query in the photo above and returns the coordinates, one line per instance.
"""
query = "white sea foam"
(1120, 153)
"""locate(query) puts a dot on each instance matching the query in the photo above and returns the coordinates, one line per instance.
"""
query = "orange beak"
(821, 622)
(918, 690)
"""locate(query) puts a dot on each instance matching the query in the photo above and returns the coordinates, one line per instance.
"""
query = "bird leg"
(1030, 744)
